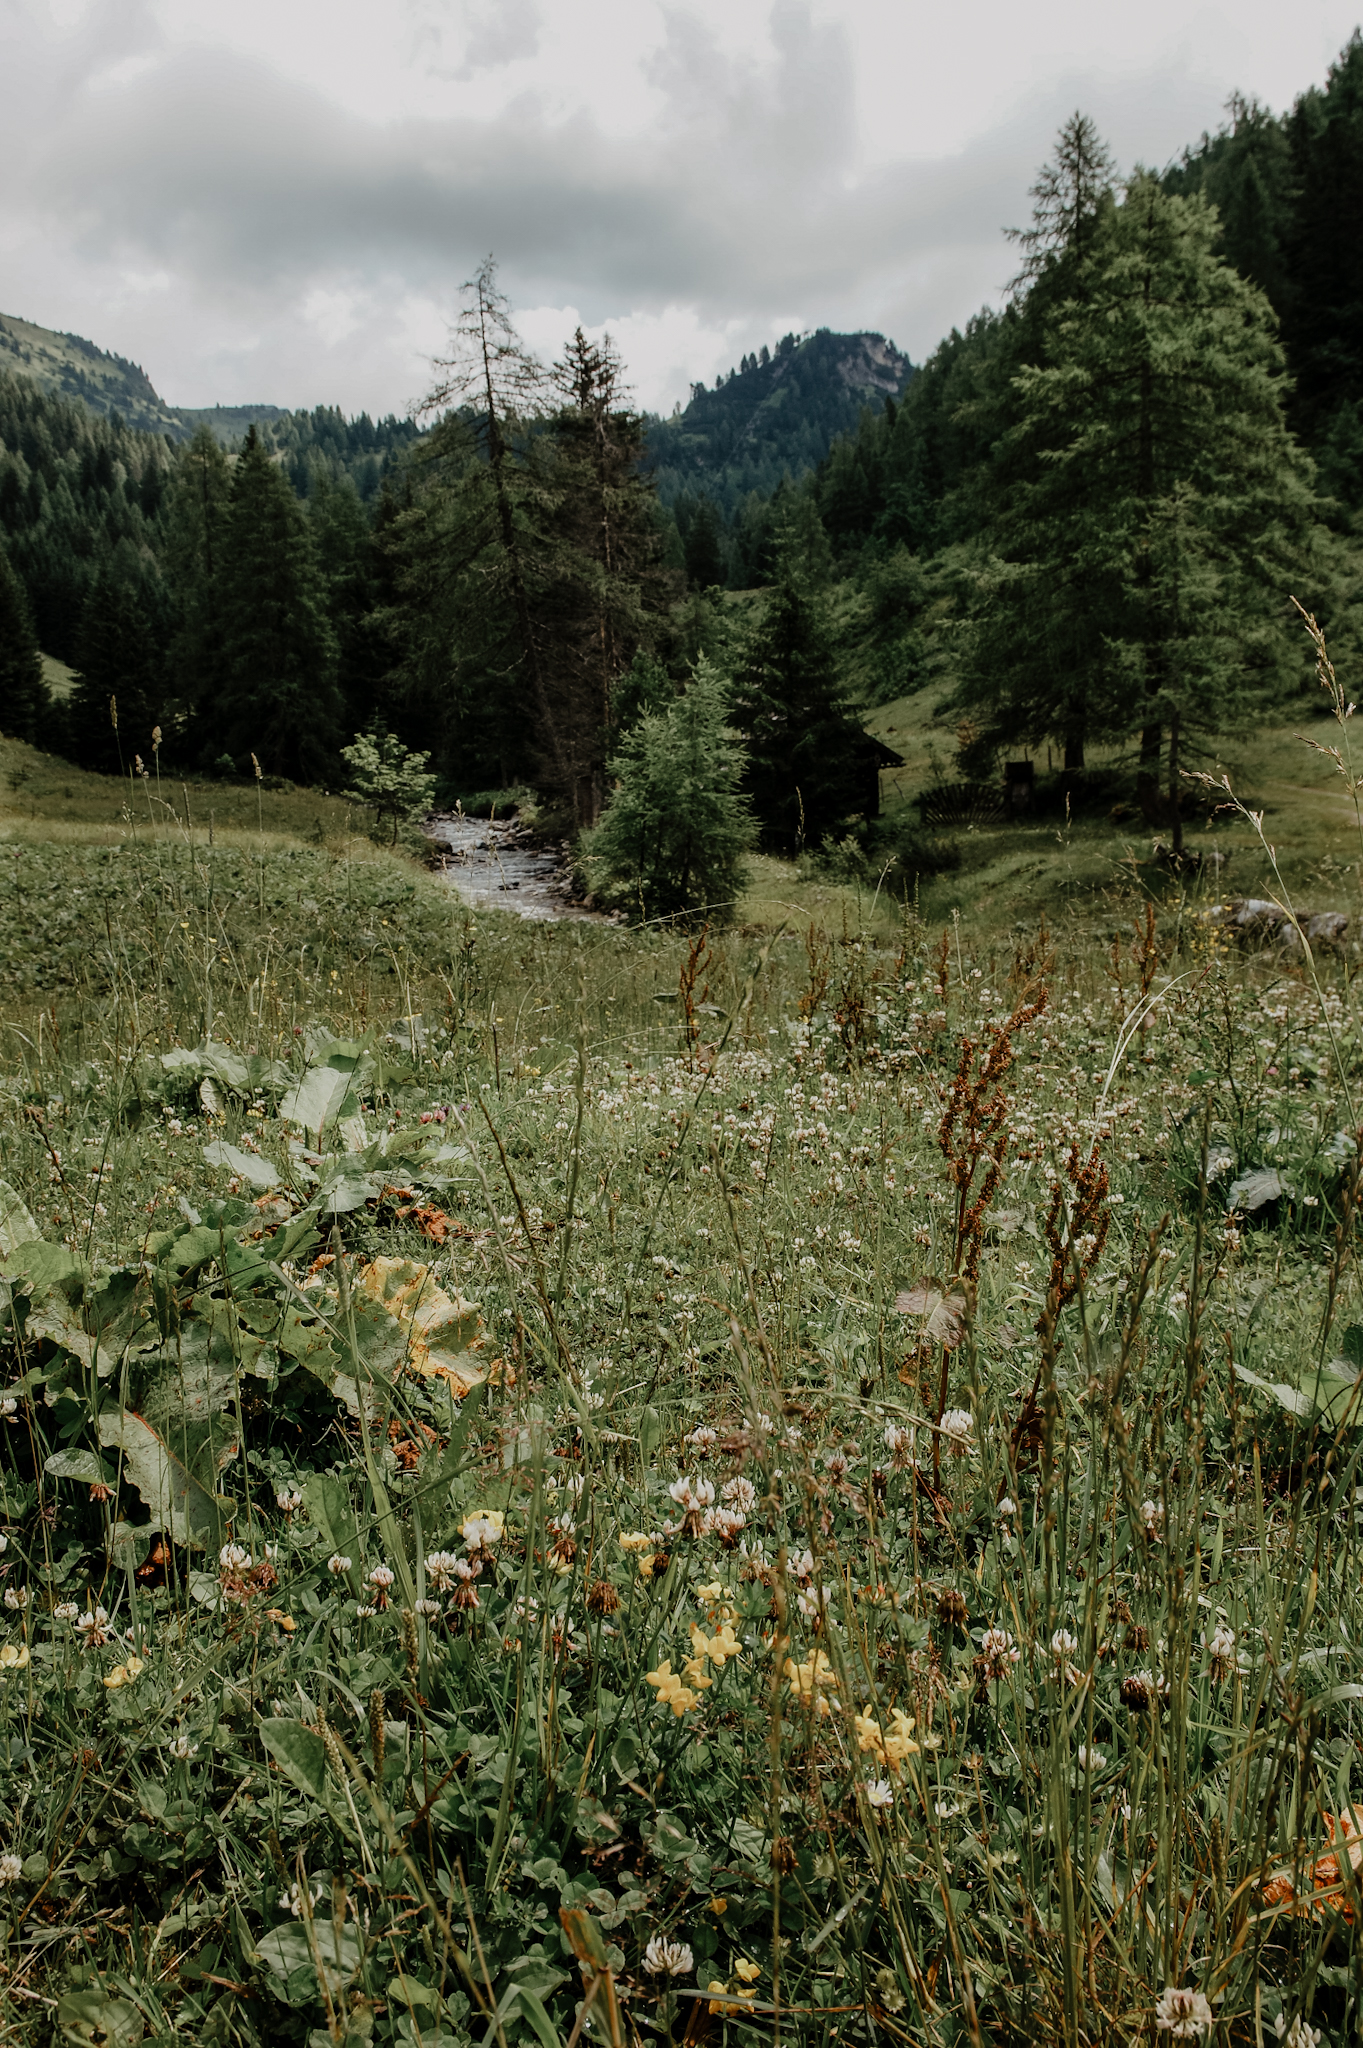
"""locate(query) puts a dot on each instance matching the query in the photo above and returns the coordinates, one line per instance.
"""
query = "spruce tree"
(196, 537)
(118, 663)
(703, 548)
(1152, 506)
(25, 705)
(279, 700)
(804, 744)
(673, 838)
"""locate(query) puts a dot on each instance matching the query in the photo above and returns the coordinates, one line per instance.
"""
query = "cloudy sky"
(276, 200)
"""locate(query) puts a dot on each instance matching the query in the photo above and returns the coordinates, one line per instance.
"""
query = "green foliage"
(383, 774)
(117, 664)
(23, 691)
(672, 841)
(279, 701)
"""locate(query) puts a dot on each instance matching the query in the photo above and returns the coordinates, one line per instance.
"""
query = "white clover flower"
(11, 1869)
(810, 1604)
(1091, 1759)
(4, 1543)
(725, 1523)
(1152, 1515)
(1006, 1508)
(1301, 2034)
(998, 1652)
(294, 1898)
(427, 1608)
(668, 1958)
(801, 1566)
(234, 1558)
(9, 1407)
(880, 1794)
(1182, 2013)
(946, 1809)
(1221, 1651)
(440, 1565)
(740, 1494)
(93, 1627)
(365, 1613)
(289, 1500)
(957, 1424)
(336, 1564)
(381, 1577)
(182, 1748)
(16, 1598)
(66, 1610)
(484, 1529)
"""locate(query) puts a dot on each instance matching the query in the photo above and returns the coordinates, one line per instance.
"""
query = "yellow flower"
(806, 1678)
(723, 1990)
(648, 1565)
(718, 1906)
(670, 1688)
(697, 1675)
(870, 1735)
(898, 1743)
(719, 1647)
(749, 1972)
(13, 1656)
(636, 1542)
(709, 1592)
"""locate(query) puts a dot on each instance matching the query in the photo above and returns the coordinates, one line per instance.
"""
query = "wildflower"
(671, 1691)
(294, 1898)
(806, 1678)
(427, 1608)
(336, 1564)
(93, 1628)
(946, 1809)
(602, 1598)
(124, 1674)
(234, 1558)
(813, 1602)
(1184, 2013)
(11, 1869)
(739, 1494)
(801, 1566)
(1063, 1648)
(1152, 1515)
(696, 1675)
(440, 1569)
(289, 1500)
(957, 1424)
(9, 1407)
(880, 1794)
(482, 1532)
(635, 1543)
(1137, 1691)
(13, 1657)
(381, 1577)
(747, 1973)
(998, 1652)
(701, 1441)
(1007, 1508)
(1301, 2034)
(16, 1598)
(364, 1612)
(1091, 1759)
(669, 1959)
(464, 1574)
(563, 1549)
(65, 1610)
(899, 1444)
(719, 1647)
(182, 1749)
(1221, 1650)
(4, 1543)
(693, 1497)
(726, 1524)
(952, 1610)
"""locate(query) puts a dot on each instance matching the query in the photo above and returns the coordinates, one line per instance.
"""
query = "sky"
(276, 201)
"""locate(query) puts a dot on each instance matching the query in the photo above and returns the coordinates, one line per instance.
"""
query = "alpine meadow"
(767, 1451)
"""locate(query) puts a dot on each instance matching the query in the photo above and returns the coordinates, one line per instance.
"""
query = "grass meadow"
(573, 1484)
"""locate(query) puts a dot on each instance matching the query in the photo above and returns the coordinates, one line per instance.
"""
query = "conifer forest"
(767, 1451)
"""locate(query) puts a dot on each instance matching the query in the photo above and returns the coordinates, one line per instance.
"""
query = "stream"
(493, 866)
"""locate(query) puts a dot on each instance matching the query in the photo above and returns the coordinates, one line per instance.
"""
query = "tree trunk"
(1175, 806)
(1151, 739)
(1074, 749)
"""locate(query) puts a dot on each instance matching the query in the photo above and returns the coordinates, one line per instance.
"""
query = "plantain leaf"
(170, 1476)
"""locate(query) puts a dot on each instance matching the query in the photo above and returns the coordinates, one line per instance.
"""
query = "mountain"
(69, 366)
(776, 415)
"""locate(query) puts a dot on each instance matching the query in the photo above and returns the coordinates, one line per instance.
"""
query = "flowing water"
(494, 867)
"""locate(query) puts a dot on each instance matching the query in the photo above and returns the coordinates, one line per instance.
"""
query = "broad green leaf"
(41, 1266)
(170, 1476)
(320, 1094)
(16, 1225)
(86, 1466)
(300, 1753)
(94, 2020)
(246, 1165)
(287, 1948)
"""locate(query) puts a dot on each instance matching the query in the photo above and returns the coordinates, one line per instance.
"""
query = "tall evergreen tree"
(672, 841)
(118, 662)
(25, 705)
(1323, 318)
(196, 540)
(1155, 505)
(805, 747)
(279, 699)
(703, 549)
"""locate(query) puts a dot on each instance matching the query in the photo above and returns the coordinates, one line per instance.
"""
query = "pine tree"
(118, 663)
(1156, 505)
(25, 705)
(704, 549)
(604, 587)
(199, 497)
(279, 700)
(672, 841)
(1323, 316)
(805, 748)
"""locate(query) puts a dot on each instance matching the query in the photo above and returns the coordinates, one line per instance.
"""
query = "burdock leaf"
(943, 1315)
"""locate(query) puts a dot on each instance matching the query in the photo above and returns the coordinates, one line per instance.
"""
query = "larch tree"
(1157, 506)
(25, 704)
